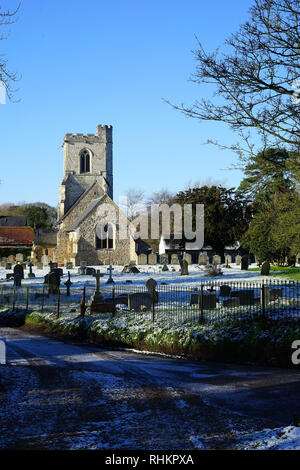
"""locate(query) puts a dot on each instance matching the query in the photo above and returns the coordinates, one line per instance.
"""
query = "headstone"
(130, 269)
(3, 264)
(7, 265)
(68, 284)
(90, 271)
(30, 274)
(207, 300)
(165, 266)
(19, 258)
(142, 258)
(53, 280)
(69, 265)
(97, 297)
(216, 259)
(152, 258)
(11, 259)
(17, 280)
(244, 263)
(53, 266)
(265, 269)
(174, 259)
(139, 301)
(163, 258)
(19, 271)
(184, 268)
(225, 291)
(238, 260)
(45, 260)
(151, 288)
(39, 265)
(228, 260)
(110, 279)
(188, 258)
(246, 296)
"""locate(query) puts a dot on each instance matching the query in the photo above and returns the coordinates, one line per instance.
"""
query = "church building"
(87, 184)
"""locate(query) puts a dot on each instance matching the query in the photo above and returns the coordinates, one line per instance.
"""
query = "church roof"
(13, 221)
(16, 236)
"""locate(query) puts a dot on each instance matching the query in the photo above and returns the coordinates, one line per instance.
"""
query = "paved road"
(62, 395)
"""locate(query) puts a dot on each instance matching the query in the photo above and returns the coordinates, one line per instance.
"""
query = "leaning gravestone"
(216, 259)
(203, 259)
(238, 260)
(184, 268)
(142, 259)
(19, 258)
(174, 259)
(265, 269)
(188, 258)
(11, 259)
(151, 288)
(19, 271)
(152, 258)
(244, 263)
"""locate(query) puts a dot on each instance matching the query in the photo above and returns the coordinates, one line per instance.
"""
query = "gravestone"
(11, 259)
(19, 271)
(244, 263)
(152, 258)
(97, 297)
(265, 269)
(225, 291)
(30, 274)
(82, 269)
(45, 260)
(151, 288)
(142, 258)
(246, 296)
(216, 259)
(19, 258)
(207, 300)
(69, 265)
(17, 280)
(53, 280)
(53, 266)
(188, 258)
(163, 258)
(174, 259)
(130, 269)
(3, 264)
(203, 259)
(7, 265)
(110, 279)
(68, 284)
(228, 260)
(184, 268)
(139, 301)
(91, 271)
(238, 260)
(39, 265)
(165, 266)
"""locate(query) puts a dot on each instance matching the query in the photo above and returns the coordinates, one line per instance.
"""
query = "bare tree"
(162, 196)
(7, 77)
(134, 199)
(257, 83)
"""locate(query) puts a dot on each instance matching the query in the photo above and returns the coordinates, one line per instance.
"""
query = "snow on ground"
(285, 438)
(172, 278)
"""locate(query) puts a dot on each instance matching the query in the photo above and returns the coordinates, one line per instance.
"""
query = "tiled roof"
(16, 236)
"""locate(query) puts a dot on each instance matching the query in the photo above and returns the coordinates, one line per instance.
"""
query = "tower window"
(107, 239)
(84, 162)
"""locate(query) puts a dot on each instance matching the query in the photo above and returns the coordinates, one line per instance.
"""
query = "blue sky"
(112, 62)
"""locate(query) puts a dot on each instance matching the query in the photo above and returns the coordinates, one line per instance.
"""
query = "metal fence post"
(153, 305)
(113, 301)
(58, 301)
(27, 298)
(263, 298)
(43, 298)
(14, 298)
(201, 303)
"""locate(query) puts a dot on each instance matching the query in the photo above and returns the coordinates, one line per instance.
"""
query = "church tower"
(87, 159)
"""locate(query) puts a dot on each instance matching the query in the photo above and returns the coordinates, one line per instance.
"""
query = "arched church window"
(84, 162)
(106, 241)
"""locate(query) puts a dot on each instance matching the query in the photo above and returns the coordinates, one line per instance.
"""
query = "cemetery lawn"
(288, 272)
